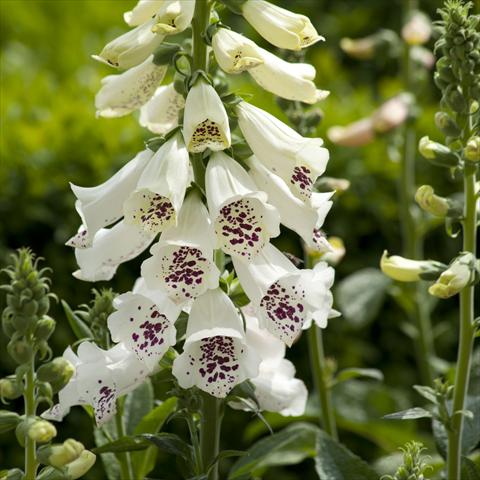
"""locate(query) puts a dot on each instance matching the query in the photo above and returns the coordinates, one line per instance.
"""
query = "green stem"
(321, 380)
(30, 411)
(124, 459)
(210, 426)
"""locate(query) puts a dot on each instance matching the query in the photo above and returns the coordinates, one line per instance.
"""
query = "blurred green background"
(49, 136)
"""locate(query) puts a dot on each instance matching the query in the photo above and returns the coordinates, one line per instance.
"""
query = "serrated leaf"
(360, 305)
(409, 414)
(137, 404)
(335, 462)
(351, 373)
(287, 447)
(470, 471)
(78, 326)
(123, 444)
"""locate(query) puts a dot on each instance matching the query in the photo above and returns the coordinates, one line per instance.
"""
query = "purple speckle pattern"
(283, 308)
(215, 364)
(302, 181)
(207, 135)
(152, 211)
(104, 402)
(183, 273)
(239, 227)
(80, 240)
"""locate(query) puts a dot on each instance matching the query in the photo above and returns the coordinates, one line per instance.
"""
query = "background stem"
(30, 411)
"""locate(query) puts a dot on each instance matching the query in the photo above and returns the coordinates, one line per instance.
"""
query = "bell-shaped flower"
(159, 194)
(132, 47)
(280, 27)
(355, 134)
(110, 248)
(243, 220)
(182, 261)
(101, 376)
(160, 113)
(286, 299)
(174, 16)
(406, 270)
(299, 161)
(304, 218)
(128, 91)
(143, 11)
(215, 356)
(145, 324)
(102, 205)
(205, 121)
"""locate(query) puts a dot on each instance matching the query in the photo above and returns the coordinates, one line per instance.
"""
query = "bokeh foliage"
(49, 136)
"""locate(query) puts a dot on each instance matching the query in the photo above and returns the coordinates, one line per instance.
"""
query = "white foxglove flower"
(406, 270)
(280, 27)
(122, 94)
(143, 11)
(102, 205)
(286, 299)
(243, 221)
(158, 197)
(299, 161)
(145, 325)
(205, 121)
(132, 47)
(174, 16)
(182, 261)
(160, 113)
(101, 376)
(215, 357)
(304, 218)
(110, 248)
(234, 52)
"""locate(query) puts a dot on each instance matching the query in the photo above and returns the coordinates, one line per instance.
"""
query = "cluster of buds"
(414, 464)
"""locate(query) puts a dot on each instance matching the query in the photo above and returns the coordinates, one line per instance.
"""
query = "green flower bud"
(13, 474)
(435, 205)
(10, 389)
(437, 153)
(41, 431)
(456, 101)
(58, 372)
(79, 467)
(20, 350)
(447, 126)
(59, 455)
(406, 270)
(8, 420)
(44, 328)
(472, 150)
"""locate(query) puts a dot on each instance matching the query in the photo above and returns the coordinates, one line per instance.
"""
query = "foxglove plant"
(205, 199)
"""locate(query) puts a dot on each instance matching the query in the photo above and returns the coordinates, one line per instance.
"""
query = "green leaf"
(123, 444)
(144, 461)
(336, 462)
(470, 471)
(287, 447)
(137, 404)
(102, 436)
(172, 444)
(410, 414)
(78, 326)
(226, 454)
(426, 392)
(350, 373)
(360, 305)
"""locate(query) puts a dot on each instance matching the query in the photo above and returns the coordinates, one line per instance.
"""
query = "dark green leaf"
(137, 404)
(124, 444)
(470, 471)
(410, 414)
(287, 447)
(78, 326)
(226, 454)
(336, 462)
(360, 305)
(350, 373)
(171, 443)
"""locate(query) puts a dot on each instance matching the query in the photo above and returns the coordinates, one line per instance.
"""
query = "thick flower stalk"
(198, 200)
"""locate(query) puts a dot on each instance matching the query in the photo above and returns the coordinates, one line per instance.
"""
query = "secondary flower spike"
(182, 261)
(205, 121)
(280, 27)
(244, 222)
(215, 356)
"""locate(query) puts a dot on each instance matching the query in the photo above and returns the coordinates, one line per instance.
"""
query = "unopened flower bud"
(445, 123)
(437, 153)
(355, 134)
(406, 270)
(80, 466)
(418, 29)
(57, 372)
(12, 474)
(456, 101)
(10, 389)
(459, 274)
(436, 205)
(392, 113)
(327, 184)
(472, 150)
(41, 431)
(59, 455)
(44, 328)
(20, 350)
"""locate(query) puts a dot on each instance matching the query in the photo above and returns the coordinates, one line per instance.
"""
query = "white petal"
(261, 340)
(110, 248)
(132, 47)
(280, 27)
(174, 16)
(143, 11)
(160, 191)
(160, 113)
(205, 121)
(102, 205)
(122, 94)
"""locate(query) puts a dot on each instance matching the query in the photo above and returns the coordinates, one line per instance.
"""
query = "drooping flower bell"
(215, 356)
(205, 121)
(173, 16)
(182, 261)
(243, 220)
(298, 160)
(142, 12)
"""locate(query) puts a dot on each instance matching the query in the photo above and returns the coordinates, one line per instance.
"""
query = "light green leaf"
(137, 404)
(78, 326)
(410, 414)
(287, 447)
(336, 462)
(360, 305)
